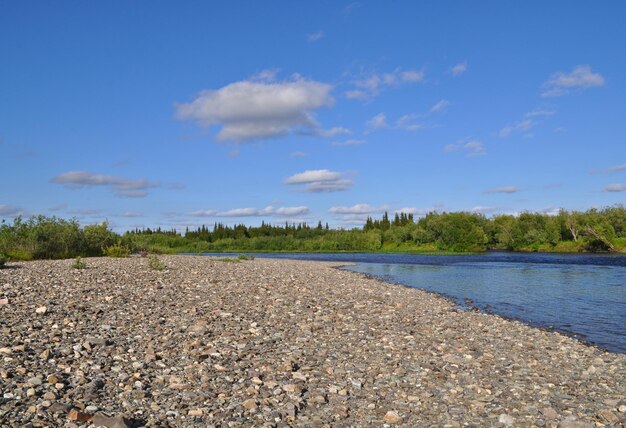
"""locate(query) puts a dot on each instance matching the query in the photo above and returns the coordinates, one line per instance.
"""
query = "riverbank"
(278, 343)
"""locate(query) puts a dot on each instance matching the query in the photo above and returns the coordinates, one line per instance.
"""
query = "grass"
(118, 251)
(79, 263)
(3, 259)
(155, 263)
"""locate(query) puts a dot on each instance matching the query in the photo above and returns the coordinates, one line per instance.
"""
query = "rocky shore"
(207, 342)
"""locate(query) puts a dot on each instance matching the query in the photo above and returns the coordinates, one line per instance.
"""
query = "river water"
(583, 295)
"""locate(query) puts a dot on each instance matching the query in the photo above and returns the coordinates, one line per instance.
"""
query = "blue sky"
(180, 114)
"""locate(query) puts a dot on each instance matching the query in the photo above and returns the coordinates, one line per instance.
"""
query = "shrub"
(117, 251)
(245, 257)
(3, 259)
(79, 263)
(155, 263)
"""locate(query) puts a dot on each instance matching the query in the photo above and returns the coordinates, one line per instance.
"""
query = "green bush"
(79, 263)
(3, 259)
(117, 251)
(245, 257)
(155, 263)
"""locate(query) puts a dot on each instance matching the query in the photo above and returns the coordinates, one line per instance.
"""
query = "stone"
(195, 412)
(104, 420)
(41, 310)
(549, 413)
(78, 416)
(609, 416)
(392, 417)
(36, 381)
(505, 419)
(50, 396)
(250, 404)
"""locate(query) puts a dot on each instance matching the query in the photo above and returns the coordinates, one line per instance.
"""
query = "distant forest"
(594, 230)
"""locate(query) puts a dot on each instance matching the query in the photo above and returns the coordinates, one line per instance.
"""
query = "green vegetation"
(245, 257)
(79, 263)
(593, 230)
(3, 259)
(117, 250)
(155, 263)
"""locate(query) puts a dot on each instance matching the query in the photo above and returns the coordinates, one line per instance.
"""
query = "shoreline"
(471, 308)
(273, 341)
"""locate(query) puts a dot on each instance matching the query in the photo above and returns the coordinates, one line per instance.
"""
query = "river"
(582, 295)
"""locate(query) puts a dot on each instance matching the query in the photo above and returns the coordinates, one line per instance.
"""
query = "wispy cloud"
(441, 105)
(260, 109)
(615, 187)
(377, 122)
(408, 123)
(610, 170)
(123, 187)
(357, 209)
(459, 69)
(503, 189)
(319, 180)
(581, 77)
(298, 154)
(349, 143)
(314, 37)
(530, 120)
(480, 209)
(253, 212)
(370, 86)
(130, 214)
(10, 211)
(471, 147)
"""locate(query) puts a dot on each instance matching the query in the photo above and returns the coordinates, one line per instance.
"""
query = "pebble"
(277, 343)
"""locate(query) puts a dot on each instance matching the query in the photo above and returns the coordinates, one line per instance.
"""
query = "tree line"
(594, 230)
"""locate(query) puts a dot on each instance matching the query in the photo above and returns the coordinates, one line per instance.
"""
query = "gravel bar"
(278, 343)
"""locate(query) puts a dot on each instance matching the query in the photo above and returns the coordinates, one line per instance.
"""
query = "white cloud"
(503, 189)
(314, 37)
(377, 122)
(292, 211)
(311, 176)
(412, 76)
(328, 133)
(319, 180)
(123, 187)
(407, 210)
(440, 106)
(615, 187)
(250, 110)
(370, 86)
(199, 213)
(349, 143)
(356, 95)
(10, 211)
(581, 77)
(298, 154)
(471, 147)
(459, 69)
(357, 209)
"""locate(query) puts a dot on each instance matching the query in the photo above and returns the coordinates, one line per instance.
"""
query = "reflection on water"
(581, 294)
